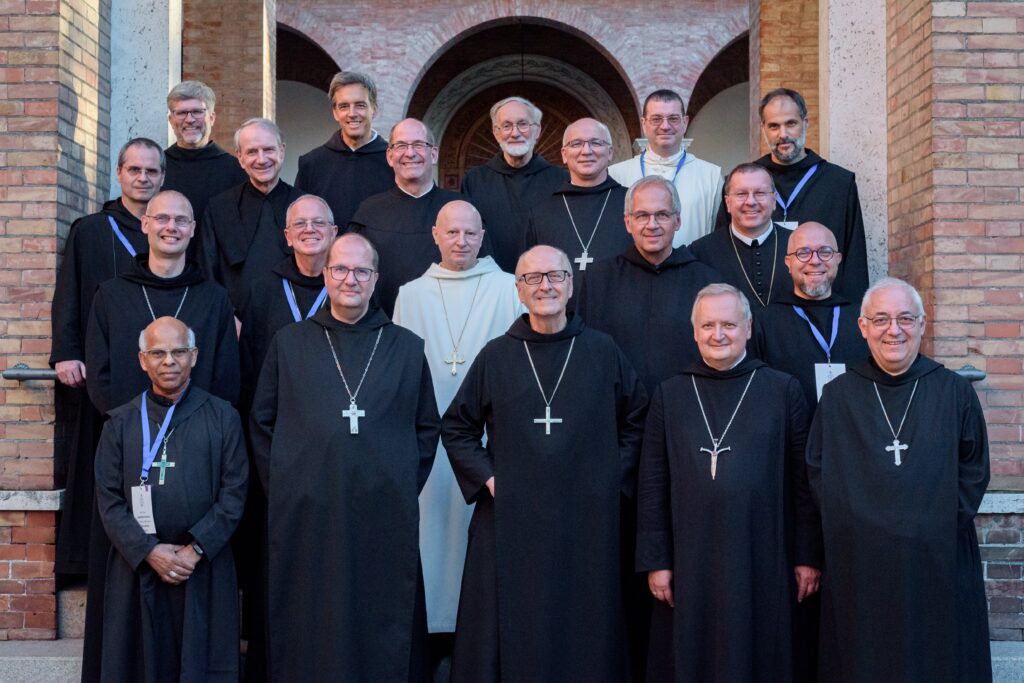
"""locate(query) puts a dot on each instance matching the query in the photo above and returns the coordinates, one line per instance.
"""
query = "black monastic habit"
(749, 268)
(549, 223)
(343, 176)
(243, 235)
(504, 195)
(399, 226)
(201, 174)
(542, 595)
(92, 255)
(153, 631)
(346, 595)
(902, 594)
(784, 340)
(732, 541)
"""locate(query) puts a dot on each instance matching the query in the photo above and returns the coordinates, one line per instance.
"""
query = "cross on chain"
(895, 449)
(163, 464)
(547, 420)
(583, 259)
(713, 452)
(353, 414)
(453, 360)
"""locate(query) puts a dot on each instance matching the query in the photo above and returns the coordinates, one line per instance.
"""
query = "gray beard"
(822, 290)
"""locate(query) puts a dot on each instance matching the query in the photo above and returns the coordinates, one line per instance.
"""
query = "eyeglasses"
(759, 195)
(418, 146)
(553, 276)
(163, 219)
(182, 114)
(180, 353)
(302, 224)
(803, 254)
(361, 107)
(595, 144)
(673, 120)
(661, 217)
(521, 126)
(135, 172)
(341, 273)
(905, 322)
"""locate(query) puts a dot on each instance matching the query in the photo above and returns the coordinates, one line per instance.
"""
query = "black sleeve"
(213, 531)
(97, 355)
(654, 505)
(66, 310)
(462, 429)
(226, 371)
(807, 539)
(631, 411)
(263, 415)
(428, 425)
(973, 472)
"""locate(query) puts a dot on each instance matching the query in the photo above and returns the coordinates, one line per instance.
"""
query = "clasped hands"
(174, 564)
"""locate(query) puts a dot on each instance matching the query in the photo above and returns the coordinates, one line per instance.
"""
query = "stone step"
(1007, 661)
(41, 661)
(71, 612)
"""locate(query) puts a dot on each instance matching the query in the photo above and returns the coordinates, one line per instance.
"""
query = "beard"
(797, 150)
(818, 291)
(517, 149)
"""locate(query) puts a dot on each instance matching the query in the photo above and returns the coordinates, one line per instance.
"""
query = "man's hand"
(71, 372)
(189, 556)
(164, 560)
(490, 486)
(660, 582)
(808, 580)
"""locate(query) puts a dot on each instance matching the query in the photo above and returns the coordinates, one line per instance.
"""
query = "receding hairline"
(542, 247)
(374, 256)
(171, 193)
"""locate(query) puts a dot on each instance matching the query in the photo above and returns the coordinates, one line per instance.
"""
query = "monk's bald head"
(458, 233)
(813, 260)
(166, 330)
(812, 232)
(167, 354)
(344, 243)
(458, 210)
(541, 259)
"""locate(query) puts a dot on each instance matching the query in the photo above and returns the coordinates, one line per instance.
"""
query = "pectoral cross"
(547, 420)
(453, 360)
(353, 414)
(163, 464)
(713, 452)
(583, 259)
(895, 449)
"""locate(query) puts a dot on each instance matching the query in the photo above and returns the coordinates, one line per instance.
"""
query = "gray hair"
(716, 289)
(192, 90)
(665, 184)
(141, 142)
(265, 124)
(535, 113)
(564, 258)
(343, 78)
(190, 338)
(607, 133)
(327, 207)
(429, 134)
(895, 283)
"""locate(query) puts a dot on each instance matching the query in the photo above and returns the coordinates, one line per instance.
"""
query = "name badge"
(788, 225)
(142, 507)
(825, 373)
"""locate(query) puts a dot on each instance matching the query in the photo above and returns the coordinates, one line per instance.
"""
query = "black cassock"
(732, 541)
(550, 224)
(829, 197)
(749, 268)
(201, 174)
(541, 594)
(346, 592)
(399, 226)
(153, 631)
(344, 177)
(504, 195)
(92, 255)
(902, 594)
(243, 235)
(784, 340)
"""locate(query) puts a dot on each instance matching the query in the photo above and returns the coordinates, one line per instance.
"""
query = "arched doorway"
(560, 71)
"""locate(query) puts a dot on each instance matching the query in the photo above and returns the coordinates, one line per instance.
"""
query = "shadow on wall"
(721, 129)
(304, 115)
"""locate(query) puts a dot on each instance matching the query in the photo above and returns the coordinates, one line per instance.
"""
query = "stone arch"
(300, 58)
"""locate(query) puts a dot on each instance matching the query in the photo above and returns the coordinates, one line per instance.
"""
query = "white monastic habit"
(444, 515)
(699, 184)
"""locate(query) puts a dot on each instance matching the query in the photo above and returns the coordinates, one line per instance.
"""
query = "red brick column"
(28, 609)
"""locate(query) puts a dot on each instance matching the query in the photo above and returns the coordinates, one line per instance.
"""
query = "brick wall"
(1002, 554)
(28, 609)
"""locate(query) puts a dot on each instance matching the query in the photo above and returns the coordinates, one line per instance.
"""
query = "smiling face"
(411, 153)
(813, 279)
(720, 329)
(749, 212)
(588, 165)
(458, 235)
(784, 130)
(651, 235)
(169, 225)
(893, 348)
(546, 299)
(664, 125)
(260, 155)
(350, 297)
(192, 123)
(170, 373)
(309, 230)
(354, 113)
(524, 132)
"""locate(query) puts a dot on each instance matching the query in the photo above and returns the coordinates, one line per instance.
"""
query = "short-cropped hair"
(535, 113)
(266, 124)
(748, 167)
(192, 90)
(190, 337)
(797, 98)
(893, 283)
(141, 142)
(716, 289)
(677, 206)
(664, 95)
(343, 78)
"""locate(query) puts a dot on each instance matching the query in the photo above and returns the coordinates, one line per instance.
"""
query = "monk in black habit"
(582, 216)
(351, 165)
(344, 429)
(399, 221)
(898, 461)
(514, 180)
(542, 596)
(751, 253)
(94, 253)
(810, 188)
(242, 233)
(197, 166)
(727, 522)
(170, 610)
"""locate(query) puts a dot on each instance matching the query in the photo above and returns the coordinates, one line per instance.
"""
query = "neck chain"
(455, 360)
(547, 420)
(353, 413)
(714, 451)
(775, 262)
(896, 447)
(584, 259)
(150, 306)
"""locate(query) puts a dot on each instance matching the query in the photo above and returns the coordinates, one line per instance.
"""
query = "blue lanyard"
(679, 166)
(796, 190)
(290, 295)
(827, 348)
(149, 453)
(120, 236)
